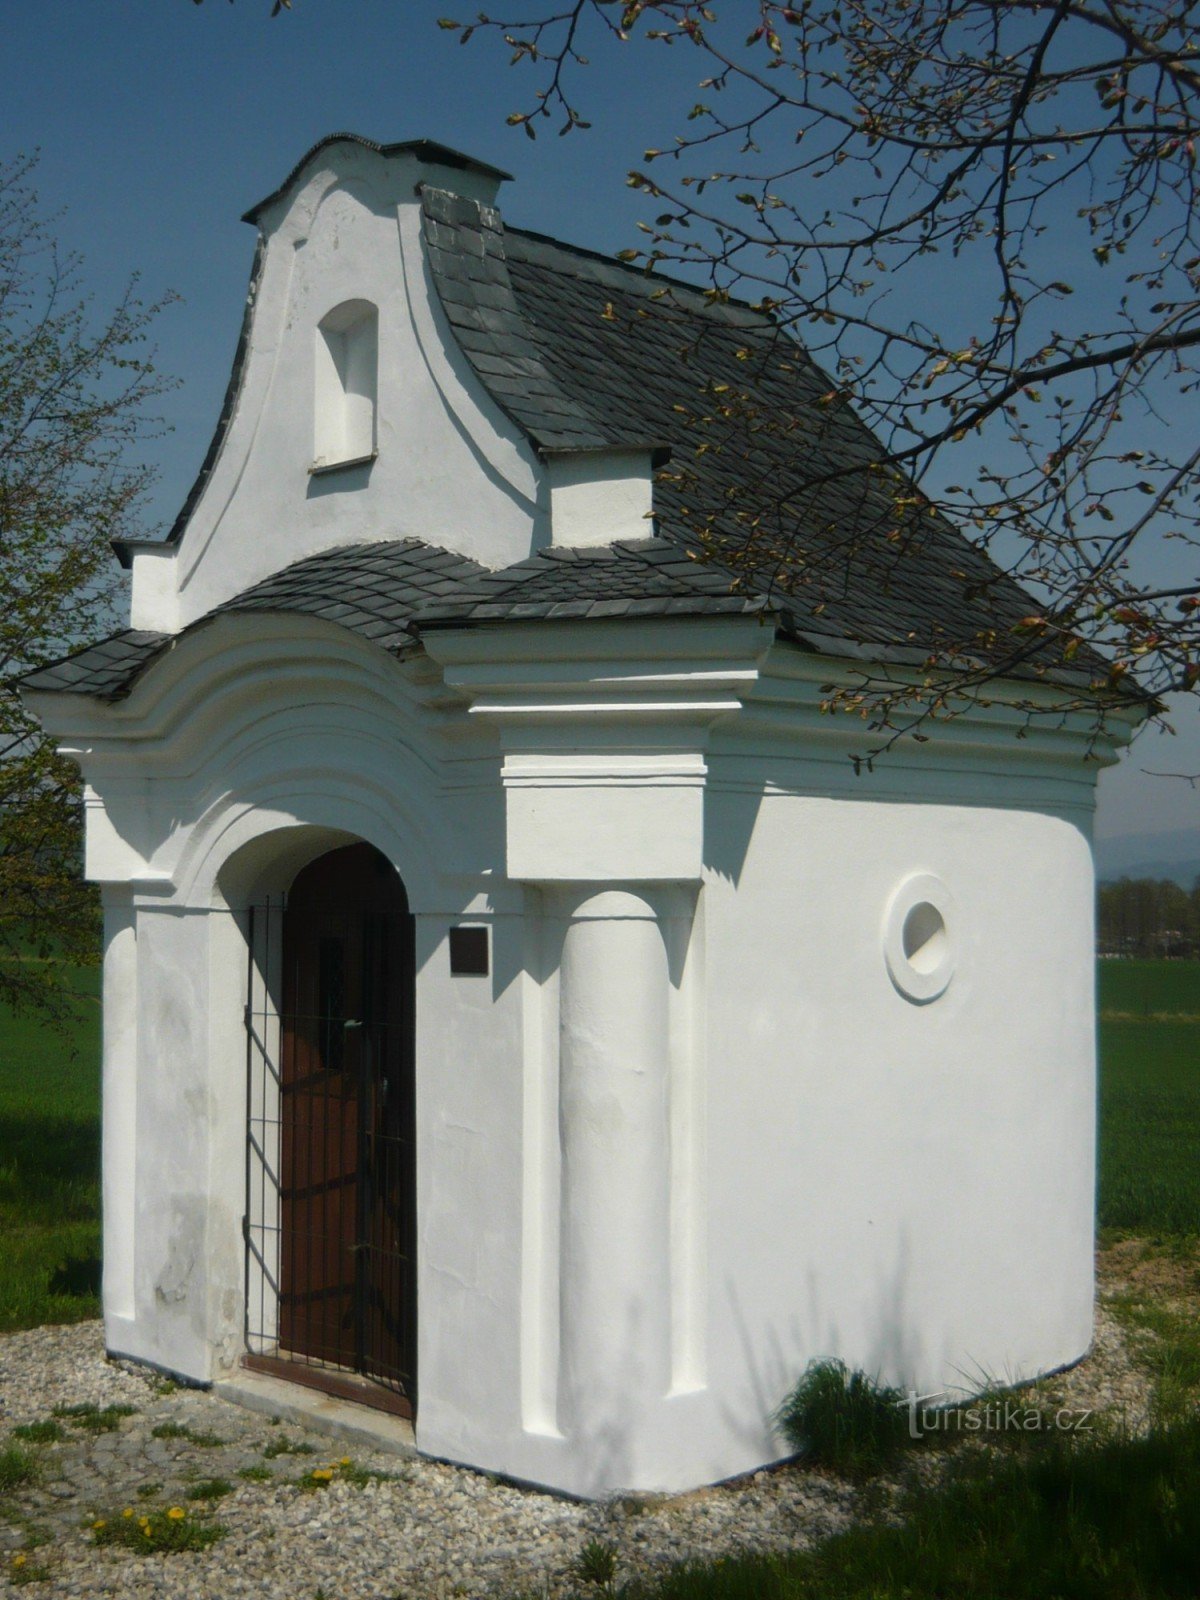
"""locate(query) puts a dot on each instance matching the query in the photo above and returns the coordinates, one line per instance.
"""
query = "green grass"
(22, 1570)
(196, 1436)
(210, 1489)
(49, 1165)
(283, 1446)
(47, 1432)
(1150, 1128)
(17, 1467)
(843, 1420)
(156, 1532)
(1108, 1522)
(93, 1418)
(1148, 988)
(1171, 1353)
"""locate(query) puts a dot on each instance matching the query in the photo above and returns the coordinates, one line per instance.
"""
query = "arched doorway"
(346, 1315)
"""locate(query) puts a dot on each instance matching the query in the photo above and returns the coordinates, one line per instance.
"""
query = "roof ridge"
(639, 274)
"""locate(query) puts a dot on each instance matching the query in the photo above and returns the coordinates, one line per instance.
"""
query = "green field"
(1148, 988)
(1150, 1097)
(49, 1165)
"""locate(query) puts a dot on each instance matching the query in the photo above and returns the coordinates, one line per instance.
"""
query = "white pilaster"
(614, 1125)
(119, 1127)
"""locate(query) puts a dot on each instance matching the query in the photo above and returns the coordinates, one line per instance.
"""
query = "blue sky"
(159, 122)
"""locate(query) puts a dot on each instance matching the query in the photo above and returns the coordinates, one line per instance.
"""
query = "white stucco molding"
(257, 725)
(604, 730)
(1027, 745)
(920, 939)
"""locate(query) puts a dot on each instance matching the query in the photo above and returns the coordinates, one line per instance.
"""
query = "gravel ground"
(423, 1530)
(420, 1529)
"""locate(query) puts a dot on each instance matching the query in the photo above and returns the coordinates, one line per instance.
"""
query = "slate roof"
(587, 353)
(630, 578)
(104, 670)
(390, 592)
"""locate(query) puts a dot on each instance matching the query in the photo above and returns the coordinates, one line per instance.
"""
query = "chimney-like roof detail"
(427, 150)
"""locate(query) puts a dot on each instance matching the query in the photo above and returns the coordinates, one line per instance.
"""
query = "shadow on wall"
(894, 1351)
(730, 816)
(342, 478)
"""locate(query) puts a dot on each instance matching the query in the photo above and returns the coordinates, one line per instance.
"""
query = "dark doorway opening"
(344, 1152)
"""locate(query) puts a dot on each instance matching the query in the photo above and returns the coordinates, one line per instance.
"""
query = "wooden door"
(347, 1183)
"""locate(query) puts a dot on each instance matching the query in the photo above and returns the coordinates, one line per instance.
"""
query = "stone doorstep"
(309, 1408)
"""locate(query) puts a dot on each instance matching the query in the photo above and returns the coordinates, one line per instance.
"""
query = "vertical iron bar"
(263, 1281)
(248, 1020)
(361, 1264)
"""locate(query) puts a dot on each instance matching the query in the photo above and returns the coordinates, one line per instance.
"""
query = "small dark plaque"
(469, 952)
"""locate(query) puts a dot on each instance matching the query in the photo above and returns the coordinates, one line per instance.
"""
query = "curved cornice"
(194, 698)
(424, 150)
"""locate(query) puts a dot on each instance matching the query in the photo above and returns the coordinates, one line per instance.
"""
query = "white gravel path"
(427, 1530)
(411, 1528)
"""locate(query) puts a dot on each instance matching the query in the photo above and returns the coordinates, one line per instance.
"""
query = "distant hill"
(1151, 855)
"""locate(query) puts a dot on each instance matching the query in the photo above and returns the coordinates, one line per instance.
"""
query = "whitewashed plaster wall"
(451, 468)
(920, 1202)
(904, 1182)
(906, 1186)
(687, 1135)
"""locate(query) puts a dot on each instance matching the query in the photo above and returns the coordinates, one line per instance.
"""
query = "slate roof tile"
(602, 363)
(391, 591)
(102, 669)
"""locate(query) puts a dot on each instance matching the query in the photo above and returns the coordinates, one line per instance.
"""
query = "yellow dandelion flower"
(344, 1462)
(128, 1511)
(19, 1559)
(146, 1531)
(322, 1474)
(99, 1523)
(176, 1513)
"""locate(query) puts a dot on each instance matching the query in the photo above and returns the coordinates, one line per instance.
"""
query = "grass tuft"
(283, 1446)
(93, 1418)
(597, 1564)
(844, 1420)
(47, 1432)
(156, 1532)
(196, 1436)
(17, 1467)
(1170, 1354)
(22, 1571)
(1102, 1522)
(210, 1489)
(359, 1477)
(203, 1440)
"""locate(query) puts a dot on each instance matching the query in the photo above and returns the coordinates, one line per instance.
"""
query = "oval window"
(917, 938)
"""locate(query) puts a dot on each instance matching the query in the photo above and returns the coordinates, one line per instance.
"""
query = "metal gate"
(330, 1155)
